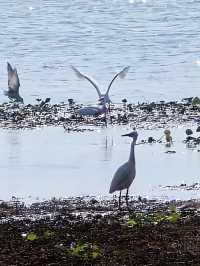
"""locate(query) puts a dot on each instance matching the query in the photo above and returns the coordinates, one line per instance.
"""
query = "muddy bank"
(142, 115)
(87, 231)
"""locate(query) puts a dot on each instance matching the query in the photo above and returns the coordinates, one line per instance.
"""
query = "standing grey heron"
(13, 84)
(125, 174)
(102, 96)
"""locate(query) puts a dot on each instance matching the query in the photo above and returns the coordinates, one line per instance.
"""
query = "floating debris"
(195, 101)
(168, 137)
(189, 132)
(170, 152)
(190, 140)
(183, 186)
(76, 128)
(151, 140)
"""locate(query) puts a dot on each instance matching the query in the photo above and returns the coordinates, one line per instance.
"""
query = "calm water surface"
(50, 162)
(160, 40)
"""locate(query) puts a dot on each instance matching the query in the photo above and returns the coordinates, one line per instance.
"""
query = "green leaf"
(174, 217)
(86, 250)
(49, 234)
(132, 222)
(157, 218)
(31, 237)
(95, 254)
(172, 208)
(81, 248)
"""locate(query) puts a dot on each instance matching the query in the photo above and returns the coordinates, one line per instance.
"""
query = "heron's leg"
(127, 199)
(109, 108)
(105, 117)
(120, 193)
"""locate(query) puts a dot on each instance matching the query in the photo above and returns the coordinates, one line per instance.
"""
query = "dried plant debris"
(90, 231)
(142, 115)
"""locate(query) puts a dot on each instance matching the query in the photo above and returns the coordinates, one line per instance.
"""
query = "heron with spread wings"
(102, 96)
(13, 84)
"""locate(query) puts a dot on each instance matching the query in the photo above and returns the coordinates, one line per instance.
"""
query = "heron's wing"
(13, 79)
(120, 179)
(10, 72)
(83, 76)
(121, 75)
(9, 67)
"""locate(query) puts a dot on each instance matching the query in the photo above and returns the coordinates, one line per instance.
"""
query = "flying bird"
(13, 84)
(102, 96)
(125, 174)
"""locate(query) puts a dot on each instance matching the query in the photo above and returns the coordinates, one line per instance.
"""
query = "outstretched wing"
(83, 76)
(13, 79)
(121, 75)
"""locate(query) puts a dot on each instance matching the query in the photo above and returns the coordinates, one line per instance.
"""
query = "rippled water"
(160, 41)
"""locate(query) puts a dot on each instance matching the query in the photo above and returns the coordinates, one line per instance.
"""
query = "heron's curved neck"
(132, 153)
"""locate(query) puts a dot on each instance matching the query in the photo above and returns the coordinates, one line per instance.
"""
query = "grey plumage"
(13, 84)
(125, 174)
(92, 110)
(102, 96)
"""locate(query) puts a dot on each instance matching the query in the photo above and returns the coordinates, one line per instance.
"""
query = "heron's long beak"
(127, 135)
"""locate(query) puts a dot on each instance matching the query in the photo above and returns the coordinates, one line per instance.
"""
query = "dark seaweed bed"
(86, 231)
(142, 115)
